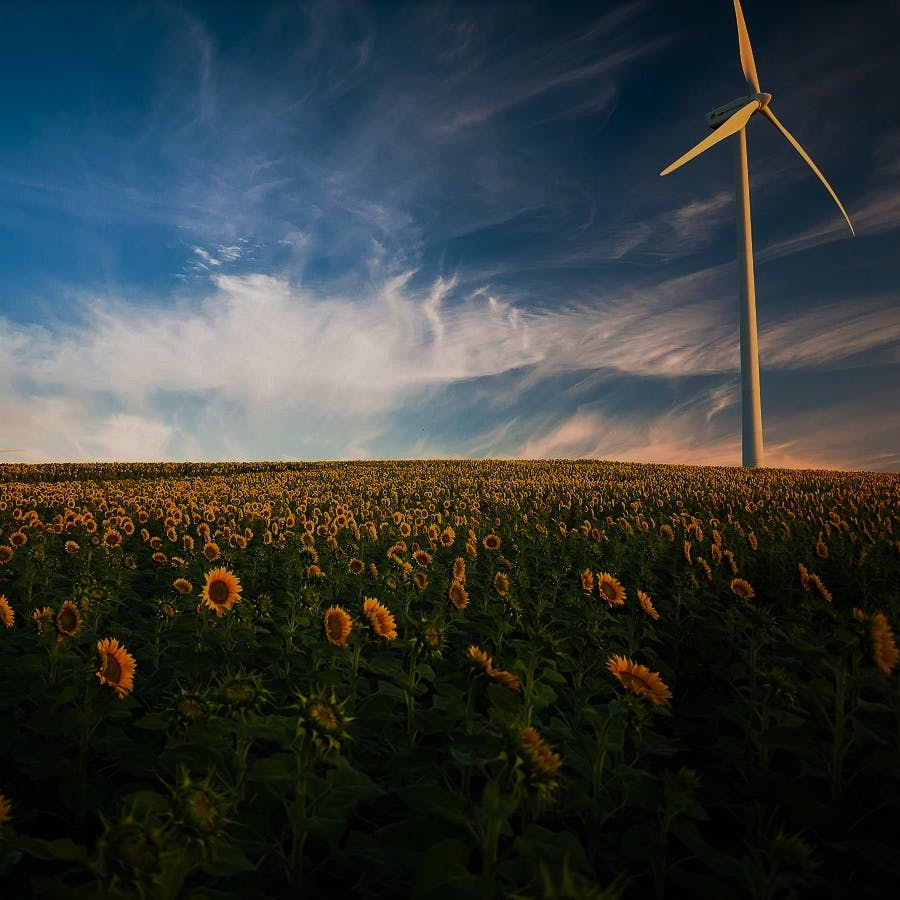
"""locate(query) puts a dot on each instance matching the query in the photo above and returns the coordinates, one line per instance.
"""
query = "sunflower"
(507, 679)
(18, 539)
(542, 760)
(322, 721)
(459, 569)
(458, 595)
(647, 605)
(221, 590)
(182, 585)
(71, 547)
(821, 548)
(884, 648)
(420, 580)
(491, 542)
(804, 576)
(6, 553)
(587, 581)
(159, 557)
(42, 618)
(117, 667)
(5, 810)
(742, 589)
(112, 539)
(356, 566)
(704, 565)
(202, 808)
(337, 624)
(422, 557)
(479, 658)
(501, 584)
(687, 552)
(610, 589)
(211, 551)
(728, 556)
(323, 715)
(381, 620)
(640, 680)
(448, 536)
(7, 616)
(824, 593)
(68, 619)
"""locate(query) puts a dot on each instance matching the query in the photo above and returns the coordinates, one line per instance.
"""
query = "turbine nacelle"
(721, 114)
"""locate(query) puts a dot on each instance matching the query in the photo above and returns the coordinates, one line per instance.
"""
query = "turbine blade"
(726, 129)
(767, 112)
(746, 51)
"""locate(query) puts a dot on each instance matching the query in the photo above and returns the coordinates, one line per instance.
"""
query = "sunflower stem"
(411, 699)
(354, 668)
(299, 831)
(840, 721)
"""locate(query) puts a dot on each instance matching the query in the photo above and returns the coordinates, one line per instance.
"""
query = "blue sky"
(348, 230)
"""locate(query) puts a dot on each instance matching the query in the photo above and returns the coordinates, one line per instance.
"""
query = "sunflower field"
(448, 679)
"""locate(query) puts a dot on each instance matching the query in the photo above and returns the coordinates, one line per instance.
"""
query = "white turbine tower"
(727, 120)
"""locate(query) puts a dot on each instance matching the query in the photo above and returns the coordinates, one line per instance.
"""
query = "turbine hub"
(764, 99)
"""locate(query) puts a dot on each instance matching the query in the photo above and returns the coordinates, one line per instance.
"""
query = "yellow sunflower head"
(42, 618)
(480, 659)
(7, 616)
(610, 589)
(640, 680)
(742, 589)
(380, 619)
(211, 551)
(117, 667)
(647, 605)
(337, 625)
(68, 619)
(458, 595)
(543, 762)
(884, 648)
(221, 590)
(507, 679)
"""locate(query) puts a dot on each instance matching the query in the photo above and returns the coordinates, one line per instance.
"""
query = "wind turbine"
(727, 120)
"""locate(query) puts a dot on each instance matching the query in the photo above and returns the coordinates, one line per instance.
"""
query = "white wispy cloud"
(259, 355)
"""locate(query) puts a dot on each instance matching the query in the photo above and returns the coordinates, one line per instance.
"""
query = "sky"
(347, 230)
